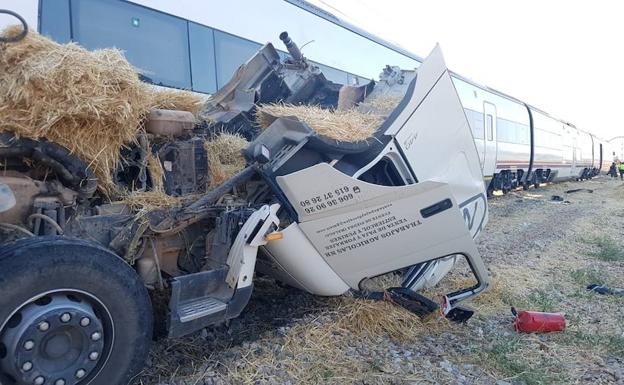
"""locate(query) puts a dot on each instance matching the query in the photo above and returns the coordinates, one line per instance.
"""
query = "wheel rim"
(62, 337)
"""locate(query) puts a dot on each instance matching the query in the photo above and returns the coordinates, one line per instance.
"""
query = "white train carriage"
(198, 46)
(520, 145)
(616, 147)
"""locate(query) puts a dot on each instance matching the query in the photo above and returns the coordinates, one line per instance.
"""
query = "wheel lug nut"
(80, 373)
(96, 336)
(39, 380)
(94, 356)
(29, 345)
(26, 366)
(85, 322)
(65, 317)
(44, 326)
(60, 381)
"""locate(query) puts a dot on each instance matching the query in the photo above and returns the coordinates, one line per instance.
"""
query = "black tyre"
(71, 312)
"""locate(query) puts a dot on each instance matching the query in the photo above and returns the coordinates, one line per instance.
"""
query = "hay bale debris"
(170, 99)
(143, 201)
(342, 125)
(91, 102)
(379, 104)
(225, 158)
(375, 318)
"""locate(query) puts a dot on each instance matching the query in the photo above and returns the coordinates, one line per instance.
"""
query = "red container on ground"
(539, 322)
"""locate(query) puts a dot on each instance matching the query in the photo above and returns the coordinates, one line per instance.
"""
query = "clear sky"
(566, 57)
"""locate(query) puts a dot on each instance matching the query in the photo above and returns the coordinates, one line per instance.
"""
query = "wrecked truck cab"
(265, 78)
(317, 213)
(429, 206)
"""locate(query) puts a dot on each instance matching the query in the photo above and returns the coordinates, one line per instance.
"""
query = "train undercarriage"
(509, 180)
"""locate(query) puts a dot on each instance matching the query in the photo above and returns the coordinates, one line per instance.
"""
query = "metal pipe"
(291, 46)
(161, 285)
(17, 227)
(214, 195)
(171, 221)
(46, 219)
(71, 170)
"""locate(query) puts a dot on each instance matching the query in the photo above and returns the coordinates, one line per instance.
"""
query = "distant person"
(621, 168)
(612, 170)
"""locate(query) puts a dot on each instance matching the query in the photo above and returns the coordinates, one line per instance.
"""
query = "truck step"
(412, 301)
(198, 308)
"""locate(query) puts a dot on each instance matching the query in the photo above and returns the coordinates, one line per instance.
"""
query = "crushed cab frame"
(337, 229)
(315, 213)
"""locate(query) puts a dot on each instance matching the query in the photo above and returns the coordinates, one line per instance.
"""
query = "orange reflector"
(275, 236)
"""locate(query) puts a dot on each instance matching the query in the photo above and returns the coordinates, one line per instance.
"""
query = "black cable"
(19, 37)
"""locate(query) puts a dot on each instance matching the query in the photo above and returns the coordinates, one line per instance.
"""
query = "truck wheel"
(71, 312)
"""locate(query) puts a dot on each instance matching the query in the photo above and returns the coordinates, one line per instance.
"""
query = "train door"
(489, 141)
(575, 158)
(599, 168)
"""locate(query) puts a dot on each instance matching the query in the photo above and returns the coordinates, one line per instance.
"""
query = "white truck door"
(434, 135)
(489, 122)
(363, 230)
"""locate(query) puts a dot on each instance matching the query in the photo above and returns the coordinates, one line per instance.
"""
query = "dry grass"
(309, 355)
(507, 288)
(379, 318)
(318, 352)
(92, 103)
(224, 157)
(382, 282)
(347, 126)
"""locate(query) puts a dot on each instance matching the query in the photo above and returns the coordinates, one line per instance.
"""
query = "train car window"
(155, 43)
(475, 119)
(505, 131)
(511, 132)
(201, 41)
(55, 20)
(551, 140)
(334, 75)
(469, 95)
(489, 126)
(356, 80)
(231, 51)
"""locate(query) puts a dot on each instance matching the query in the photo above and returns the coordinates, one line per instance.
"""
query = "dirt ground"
(541, 254)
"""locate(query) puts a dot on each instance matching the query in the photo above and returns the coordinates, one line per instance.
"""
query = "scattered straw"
(378, 318)
(176, 100)
(380, 104)
(347, 126)
(92, 103)
(156, 172)
(156, 198)
(150, 200)
(224, 157)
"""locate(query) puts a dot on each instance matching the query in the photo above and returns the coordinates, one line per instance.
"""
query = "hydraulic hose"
(73, 172)
(21, 35)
